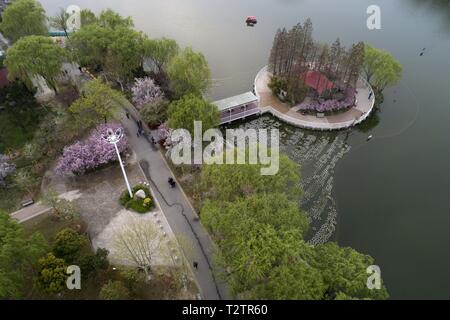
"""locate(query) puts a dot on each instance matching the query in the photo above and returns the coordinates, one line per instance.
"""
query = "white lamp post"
(113, 137)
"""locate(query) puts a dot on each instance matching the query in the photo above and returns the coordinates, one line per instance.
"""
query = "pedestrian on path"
(128, 115)
(195, 264)
(370, 95)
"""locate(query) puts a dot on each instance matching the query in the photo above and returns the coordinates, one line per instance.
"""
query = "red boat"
(251, 20)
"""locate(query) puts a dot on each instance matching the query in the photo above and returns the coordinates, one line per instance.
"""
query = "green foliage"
(98, 102)
(114, 290)
(272, 209)
(20, 117)
(160, 51)
(90, 264)
(277, 85)
(23, 18)
(25, 180)
(87, 17)
(52, 277)
(124, 53)
(32, 56)
(381, 68)
(89, 45)
(182, 113)
(154, 113)
(68, 244)
(112, 20)
(109, 42)
(18, 257)
(189, 73)
(259, 228)
(231, 182)
(344, 271)
(296, 90)
(62, 209)
(137, 204)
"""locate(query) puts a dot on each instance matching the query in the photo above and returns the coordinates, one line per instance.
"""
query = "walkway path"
(30, 212)
(269, 103)
(178, 211)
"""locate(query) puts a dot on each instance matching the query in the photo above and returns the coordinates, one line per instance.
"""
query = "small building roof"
(236, 101)
(317, 81)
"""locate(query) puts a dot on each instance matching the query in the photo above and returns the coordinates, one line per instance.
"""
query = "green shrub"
(137, 205)
(68, 245)
(277, 84)
(114, 290)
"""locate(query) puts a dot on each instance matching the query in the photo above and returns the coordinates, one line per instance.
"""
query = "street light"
(113, 137)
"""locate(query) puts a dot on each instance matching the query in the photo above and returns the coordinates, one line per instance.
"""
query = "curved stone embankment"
(268, 103)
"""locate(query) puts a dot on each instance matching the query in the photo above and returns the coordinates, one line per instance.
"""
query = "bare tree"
(60, 21)
(140, 242)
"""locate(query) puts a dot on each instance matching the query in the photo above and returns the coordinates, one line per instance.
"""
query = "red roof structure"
(317, 81)
(3, 77)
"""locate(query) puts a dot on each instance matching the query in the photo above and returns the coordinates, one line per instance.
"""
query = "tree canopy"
(23, 18)
(344, 272)
(259, 228)
(68, 245)
(52, 277)
(34, 55)
(18, 257)
(381, 68)
(108, 42)
(160, 51)
(98, 102)
(228, 183)
(182, 113)
(189, 73)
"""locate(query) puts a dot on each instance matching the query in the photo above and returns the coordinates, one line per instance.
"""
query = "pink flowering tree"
(145, 91)
(91, 153)
(6, 169)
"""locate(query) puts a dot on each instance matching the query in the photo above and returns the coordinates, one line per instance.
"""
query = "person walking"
(128, 115)
(195, 264)
(370, 95)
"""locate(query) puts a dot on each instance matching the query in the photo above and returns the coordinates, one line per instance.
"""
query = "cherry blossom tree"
(145, 91)
(6, 169)
(91, 153)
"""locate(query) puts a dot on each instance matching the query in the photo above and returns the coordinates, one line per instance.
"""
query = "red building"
(317, 81)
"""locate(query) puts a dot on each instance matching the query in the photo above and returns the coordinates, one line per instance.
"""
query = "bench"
(27, 203)
(320, 115)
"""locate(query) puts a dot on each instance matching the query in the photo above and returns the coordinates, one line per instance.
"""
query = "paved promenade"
(177, 209)
(269, 103)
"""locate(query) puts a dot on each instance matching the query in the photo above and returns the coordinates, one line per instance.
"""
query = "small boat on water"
(251, 20)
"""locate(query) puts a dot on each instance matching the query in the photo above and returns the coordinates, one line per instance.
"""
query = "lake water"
(389, 197)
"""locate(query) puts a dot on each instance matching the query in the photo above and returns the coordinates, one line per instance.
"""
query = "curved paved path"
(179, 213)
(269, 103)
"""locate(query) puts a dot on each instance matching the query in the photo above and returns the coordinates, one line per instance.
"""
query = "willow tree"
(381, 68)
(35, 56)
(23, 18)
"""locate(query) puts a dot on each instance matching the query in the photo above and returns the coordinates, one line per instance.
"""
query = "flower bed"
(332, 105)
(92, 153)
(140, 205)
